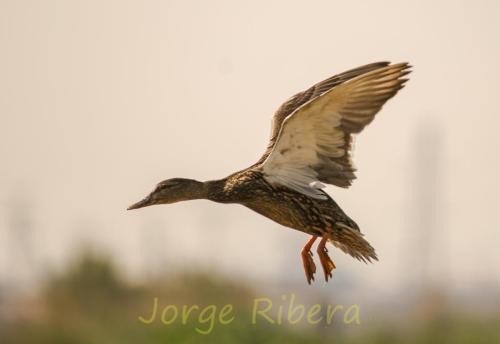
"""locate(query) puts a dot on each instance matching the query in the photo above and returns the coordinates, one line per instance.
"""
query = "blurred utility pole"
(428, 249)
(20, 261)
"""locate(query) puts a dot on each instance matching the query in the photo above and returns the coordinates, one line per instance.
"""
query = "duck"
(310, 145)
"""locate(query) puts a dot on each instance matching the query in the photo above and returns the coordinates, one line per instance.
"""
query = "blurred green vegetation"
(91, 303)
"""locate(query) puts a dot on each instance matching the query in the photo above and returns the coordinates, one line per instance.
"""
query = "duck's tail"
(350, 240)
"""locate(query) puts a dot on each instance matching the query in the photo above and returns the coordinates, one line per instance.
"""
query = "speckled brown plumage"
(292, 209)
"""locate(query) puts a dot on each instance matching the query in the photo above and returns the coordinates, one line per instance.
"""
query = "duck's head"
(172, 191)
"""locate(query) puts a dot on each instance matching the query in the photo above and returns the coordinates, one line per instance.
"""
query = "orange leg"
(325, 260)
(309, 267)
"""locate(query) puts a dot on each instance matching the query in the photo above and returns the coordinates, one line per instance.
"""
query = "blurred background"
(100, 100)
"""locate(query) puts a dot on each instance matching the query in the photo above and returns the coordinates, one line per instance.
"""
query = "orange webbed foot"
(307, 260)
(326, 262)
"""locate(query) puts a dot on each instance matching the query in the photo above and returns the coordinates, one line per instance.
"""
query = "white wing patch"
(296, 152)
(314, 141)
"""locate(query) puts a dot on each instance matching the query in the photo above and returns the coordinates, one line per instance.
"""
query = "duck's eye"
(160, 187)
(166, 186)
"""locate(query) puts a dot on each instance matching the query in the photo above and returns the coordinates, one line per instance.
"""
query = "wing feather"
(314, 142)
(313, 92)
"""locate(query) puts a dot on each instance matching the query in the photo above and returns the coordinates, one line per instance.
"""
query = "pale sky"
(100, 100)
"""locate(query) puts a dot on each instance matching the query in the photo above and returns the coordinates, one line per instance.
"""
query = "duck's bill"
(141, 204)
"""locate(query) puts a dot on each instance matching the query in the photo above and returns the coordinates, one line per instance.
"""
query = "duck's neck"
(214, 191)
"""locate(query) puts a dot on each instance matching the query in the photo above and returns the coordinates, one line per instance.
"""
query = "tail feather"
(351, 241)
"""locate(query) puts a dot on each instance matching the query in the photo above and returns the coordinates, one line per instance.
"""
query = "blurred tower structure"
(428, 247)
(19, 266)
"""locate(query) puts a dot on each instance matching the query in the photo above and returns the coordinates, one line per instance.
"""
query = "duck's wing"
(312, 92)
(314, 141)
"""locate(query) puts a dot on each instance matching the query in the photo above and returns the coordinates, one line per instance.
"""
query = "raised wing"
(313, 92)
(314, 142)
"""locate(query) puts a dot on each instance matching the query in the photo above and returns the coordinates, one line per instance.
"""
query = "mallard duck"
(310, 145)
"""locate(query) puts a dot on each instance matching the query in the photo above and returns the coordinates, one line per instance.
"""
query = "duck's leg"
(325, 260)
(309, 266)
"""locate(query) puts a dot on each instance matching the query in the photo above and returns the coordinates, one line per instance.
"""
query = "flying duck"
(310, 146)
